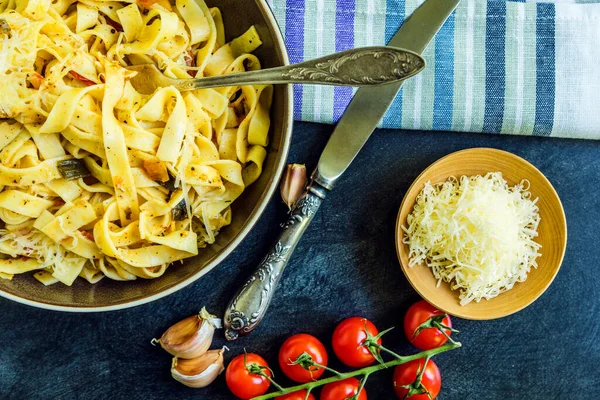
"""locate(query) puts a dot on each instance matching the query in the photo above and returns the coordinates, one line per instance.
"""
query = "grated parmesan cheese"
(476, 233)
(34, 244)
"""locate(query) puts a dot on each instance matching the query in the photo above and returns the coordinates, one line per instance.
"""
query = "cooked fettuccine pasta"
(98, 180)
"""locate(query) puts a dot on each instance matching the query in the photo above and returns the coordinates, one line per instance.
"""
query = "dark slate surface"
(345, 265)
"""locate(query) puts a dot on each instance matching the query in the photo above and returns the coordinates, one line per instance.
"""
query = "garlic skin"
(191, 337)
(199, 372)
(293, 184)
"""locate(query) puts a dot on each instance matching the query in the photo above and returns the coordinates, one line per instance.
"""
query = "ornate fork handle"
(248, 306)
(365, 66)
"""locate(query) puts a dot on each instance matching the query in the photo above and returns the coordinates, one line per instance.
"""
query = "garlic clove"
(199, 372)
(191, 337)
(293, 183)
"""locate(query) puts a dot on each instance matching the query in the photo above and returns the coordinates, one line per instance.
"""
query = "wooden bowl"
(552, 233)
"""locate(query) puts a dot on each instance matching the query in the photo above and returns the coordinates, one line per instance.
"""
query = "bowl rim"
(239, 237)
(400, 245)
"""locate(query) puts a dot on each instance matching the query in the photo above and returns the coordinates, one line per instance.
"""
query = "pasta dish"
(97, 179)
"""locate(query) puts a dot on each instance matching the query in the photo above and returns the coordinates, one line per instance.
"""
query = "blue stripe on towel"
(344, 40)
(545, 66)
(294, 37)
(444, 76)
(394, 17)
(495, 67)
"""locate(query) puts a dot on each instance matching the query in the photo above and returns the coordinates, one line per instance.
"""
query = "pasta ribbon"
(23, 203)
(115, 147)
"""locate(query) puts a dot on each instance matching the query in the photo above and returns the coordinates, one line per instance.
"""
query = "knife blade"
(249, 305)
(370, 104)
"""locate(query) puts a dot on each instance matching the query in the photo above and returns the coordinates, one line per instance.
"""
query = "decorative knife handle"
(363, 66)
(250, 303)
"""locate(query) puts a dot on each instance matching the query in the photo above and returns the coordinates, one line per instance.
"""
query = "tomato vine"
(375, 348)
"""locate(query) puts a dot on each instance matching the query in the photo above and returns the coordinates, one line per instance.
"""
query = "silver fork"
(365, 66)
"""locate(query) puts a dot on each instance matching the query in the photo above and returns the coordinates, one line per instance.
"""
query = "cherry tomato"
(294, 347)
(244, 384)
(299, 395)
(341, 390)
(428, 338)
(348, 338)
(405, 374)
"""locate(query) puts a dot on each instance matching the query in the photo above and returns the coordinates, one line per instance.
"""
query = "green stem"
(443, 328)
(307, 394)
(362, 385)
(327, 369)
(380, 347)
(306, 361)
(361, 372)
(421, 372)
(273, 382)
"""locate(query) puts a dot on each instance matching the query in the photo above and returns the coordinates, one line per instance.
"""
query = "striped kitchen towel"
(496, 66)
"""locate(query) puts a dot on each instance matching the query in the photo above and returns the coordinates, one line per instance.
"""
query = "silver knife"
(250, 303)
